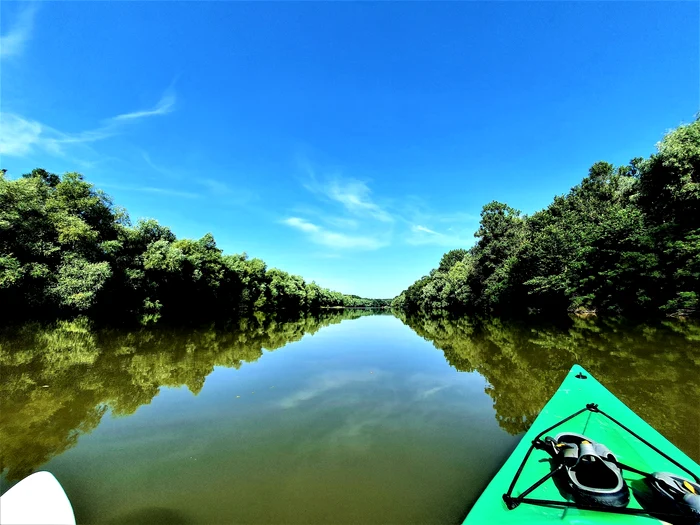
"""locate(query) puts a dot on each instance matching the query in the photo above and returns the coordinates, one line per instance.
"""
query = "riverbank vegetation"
(67, 250)
(626, 240)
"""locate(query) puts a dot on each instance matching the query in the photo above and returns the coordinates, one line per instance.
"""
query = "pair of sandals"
(592, 476)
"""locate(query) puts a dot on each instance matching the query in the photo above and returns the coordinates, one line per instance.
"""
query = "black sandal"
(666, 493)
(591, 475)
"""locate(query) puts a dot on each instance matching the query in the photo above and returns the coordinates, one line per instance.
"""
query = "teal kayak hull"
(573, 395)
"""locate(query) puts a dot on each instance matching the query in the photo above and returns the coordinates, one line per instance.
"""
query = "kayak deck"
(573, 395)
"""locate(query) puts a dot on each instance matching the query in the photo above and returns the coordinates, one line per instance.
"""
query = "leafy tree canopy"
(65, 250)
(626, 240)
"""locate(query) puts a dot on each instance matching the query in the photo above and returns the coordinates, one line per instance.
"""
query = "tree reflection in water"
(654, 369)
(59, 381)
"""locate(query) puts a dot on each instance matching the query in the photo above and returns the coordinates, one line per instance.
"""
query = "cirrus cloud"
(21, 136)
(163, 107)
(333, 239)
(347, 215)
(13, 41)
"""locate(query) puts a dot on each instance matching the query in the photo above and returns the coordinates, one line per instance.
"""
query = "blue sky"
(350, 143)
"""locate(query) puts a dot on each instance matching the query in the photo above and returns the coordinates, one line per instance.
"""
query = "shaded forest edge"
(67, 250)
(625, 241)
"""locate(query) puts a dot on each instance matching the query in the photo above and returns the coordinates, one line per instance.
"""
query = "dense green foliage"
(646, 365)
(65, 249)
(625, 240)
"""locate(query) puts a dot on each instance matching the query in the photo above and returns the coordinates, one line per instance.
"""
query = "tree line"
(67, 250)
(626, 241)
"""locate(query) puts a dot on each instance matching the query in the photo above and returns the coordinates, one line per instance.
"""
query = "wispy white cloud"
(329, 217)
(332, 239)
(420, 235)
(428, 227)
(341, 222)
(353, 194)
(163, 107)
(160, 169)
(18, 135)
(302, 225)
(153, 189)
(345, 215)
(21, 136)
(13, 41)
(214, 187)
(419, 228)
(348, 215)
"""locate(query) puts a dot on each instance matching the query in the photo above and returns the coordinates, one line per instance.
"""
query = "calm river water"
(343, 418)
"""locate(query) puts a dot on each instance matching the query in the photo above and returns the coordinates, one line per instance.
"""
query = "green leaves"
(670, 179)
(625, 240)
(66, 250)
(78, 282)
(10, 271)
(162, 256)
(451, 258)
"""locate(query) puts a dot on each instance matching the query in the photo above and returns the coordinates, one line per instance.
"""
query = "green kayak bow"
(583, 426)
